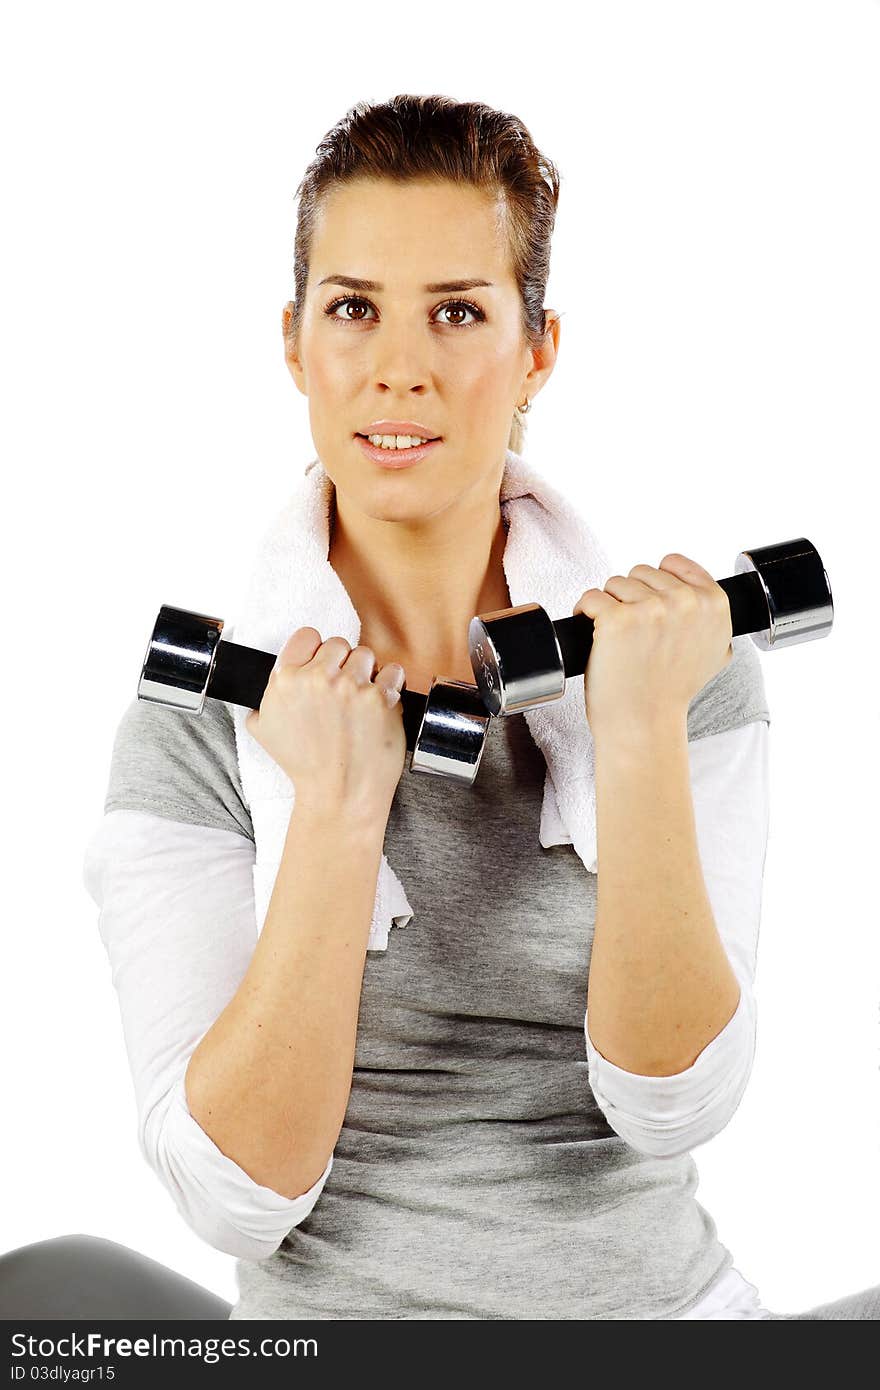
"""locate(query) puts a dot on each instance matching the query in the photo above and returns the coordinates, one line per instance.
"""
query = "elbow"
(217, 1199)
(691, 1127)
(212, 1225)
(667, 1116)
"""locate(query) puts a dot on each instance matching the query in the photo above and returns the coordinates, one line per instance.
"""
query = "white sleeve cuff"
(668, 1115)
(217, 1198)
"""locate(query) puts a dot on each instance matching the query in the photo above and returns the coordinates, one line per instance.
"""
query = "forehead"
(406, 234)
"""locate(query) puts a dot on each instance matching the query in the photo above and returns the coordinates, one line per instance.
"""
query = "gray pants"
(78, 1278)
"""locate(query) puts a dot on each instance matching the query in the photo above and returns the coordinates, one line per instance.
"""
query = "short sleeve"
(734, 696)
(179, 765)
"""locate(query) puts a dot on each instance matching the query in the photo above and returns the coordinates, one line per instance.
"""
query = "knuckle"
(688, 598)
(319, 674)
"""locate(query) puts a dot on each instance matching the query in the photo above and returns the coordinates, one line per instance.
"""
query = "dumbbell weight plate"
(779, 594)
(186, 662)
(452, 732)
(795, 589)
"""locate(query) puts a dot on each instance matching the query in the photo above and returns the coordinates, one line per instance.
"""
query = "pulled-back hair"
(435, 137)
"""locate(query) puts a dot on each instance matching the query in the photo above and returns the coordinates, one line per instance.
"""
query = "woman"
(433, 1130)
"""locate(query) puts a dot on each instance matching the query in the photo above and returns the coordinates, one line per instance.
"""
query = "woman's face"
(400, 351)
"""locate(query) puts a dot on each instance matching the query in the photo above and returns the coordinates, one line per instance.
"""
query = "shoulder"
(735, 695)
(180, 765)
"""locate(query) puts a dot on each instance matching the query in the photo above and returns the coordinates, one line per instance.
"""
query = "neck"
(416, 586)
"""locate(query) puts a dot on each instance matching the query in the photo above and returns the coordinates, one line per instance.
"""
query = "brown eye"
(457, 306)
(462, 306)
(348, 302)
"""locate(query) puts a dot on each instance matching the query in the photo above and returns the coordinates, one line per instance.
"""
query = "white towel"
(551, 556)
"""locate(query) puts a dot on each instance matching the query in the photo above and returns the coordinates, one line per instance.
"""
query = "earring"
(525, 407)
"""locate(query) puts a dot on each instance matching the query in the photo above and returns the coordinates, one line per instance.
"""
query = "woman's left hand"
(659, 635)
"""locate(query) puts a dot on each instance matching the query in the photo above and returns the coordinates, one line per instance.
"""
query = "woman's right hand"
(332, 727)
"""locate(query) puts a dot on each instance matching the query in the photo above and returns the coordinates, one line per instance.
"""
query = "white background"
(716, 259)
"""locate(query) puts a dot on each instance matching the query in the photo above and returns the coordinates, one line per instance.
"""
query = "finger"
(593, 602)
(334, 652)
(392, 679)
(360, 664)
(392, 674)
(685, 568)
(628, 589)
(300, 647)
(699, 578)
(659, 580)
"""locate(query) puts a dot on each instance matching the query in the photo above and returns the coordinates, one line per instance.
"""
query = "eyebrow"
(441, 287)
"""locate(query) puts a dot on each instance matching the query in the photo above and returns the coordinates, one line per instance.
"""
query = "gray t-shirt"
(475, 1175)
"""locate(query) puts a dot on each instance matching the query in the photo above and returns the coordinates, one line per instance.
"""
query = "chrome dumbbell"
(187, 662)
(779, 594)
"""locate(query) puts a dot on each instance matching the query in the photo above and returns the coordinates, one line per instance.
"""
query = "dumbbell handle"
(748, 613)
(240, 676)
(779, 594)
(187, 661)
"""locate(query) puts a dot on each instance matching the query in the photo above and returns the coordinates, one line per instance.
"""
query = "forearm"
(661, 986)
(269, 1082)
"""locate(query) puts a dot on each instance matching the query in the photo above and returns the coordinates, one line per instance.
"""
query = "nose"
(400, 363)
(400, 388)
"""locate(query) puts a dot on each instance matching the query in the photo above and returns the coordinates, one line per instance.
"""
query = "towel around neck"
(551, 556)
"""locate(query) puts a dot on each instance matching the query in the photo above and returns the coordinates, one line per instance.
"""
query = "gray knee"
(82, 1276)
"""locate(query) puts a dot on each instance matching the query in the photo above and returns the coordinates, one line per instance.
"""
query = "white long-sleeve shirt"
(177, 920)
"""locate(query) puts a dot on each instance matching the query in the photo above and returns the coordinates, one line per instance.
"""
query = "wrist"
(341, 819)
(643, 736)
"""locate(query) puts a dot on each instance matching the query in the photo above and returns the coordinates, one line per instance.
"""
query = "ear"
(294, 366)
(544, 356)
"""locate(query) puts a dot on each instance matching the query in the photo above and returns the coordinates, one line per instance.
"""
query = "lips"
(394, 459)
(385, 425)
(429, 439)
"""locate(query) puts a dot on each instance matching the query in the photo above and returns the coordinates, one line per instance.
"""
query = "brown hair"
(436, 137)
